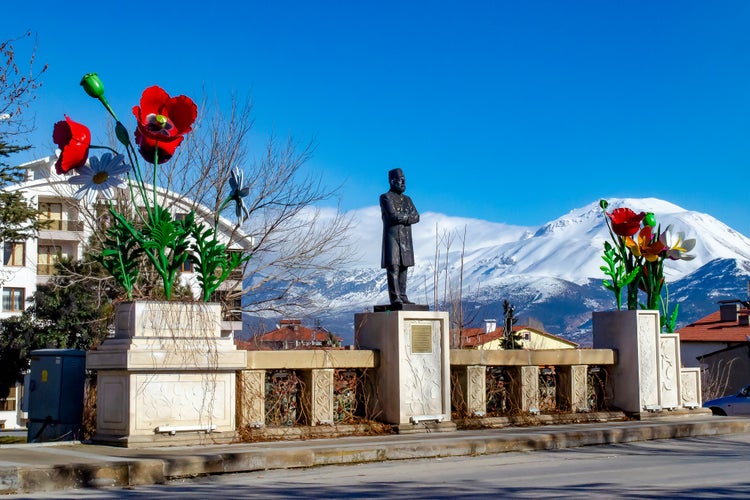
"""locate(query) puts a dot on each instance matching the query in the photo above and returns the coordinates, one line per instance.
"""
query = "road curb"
(148, 467)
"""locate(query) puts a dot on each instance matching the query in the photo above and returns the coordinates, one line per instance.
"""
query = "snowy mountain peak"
(557, 262)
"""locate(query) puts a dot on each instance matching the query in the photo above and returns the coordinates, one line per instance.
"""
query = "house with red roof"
(727, 327)
(292, 334)
(720, 345)
(491, 337)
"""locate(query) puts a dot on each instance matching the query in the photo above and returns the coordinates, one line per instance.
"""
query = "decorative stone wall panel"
(669, 370)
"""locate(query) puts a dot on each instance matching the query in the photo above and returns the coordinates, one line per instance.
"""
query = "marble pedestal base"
(167, 378)
(635, 337)
(412, 380)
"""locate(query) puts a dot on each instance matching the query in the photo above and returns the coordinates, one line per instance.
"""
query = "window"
(52, 213)
(47, 257)
(14, 253)
(13, 299)
(187, 266)
(231, 304)
(9, 403)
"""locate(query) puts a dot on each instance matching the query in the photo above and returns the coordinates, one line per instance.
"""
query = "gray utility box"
(56, 394)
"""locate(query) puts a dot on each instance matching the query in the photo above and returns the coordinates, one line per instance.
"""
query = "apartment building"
(26, 264)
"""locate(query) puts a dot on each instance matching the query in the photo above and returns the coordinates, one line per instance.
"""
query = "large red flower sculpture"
(625, 222)
(163, 118)
(74, 140)
(162, 122)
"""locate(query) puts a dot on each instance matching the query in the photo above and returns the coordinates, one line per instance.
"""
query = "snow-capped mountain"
(550, 273)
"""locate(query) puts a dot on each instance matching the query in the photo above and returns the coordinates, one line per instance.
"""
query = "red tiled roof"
(473, 337)
(711, 329)
(291, 331)
(249, 345)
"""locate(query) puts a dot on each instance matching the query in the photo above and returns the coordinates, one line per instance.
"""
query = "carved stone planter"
(635, 337)
(167, 377)
(647, 375)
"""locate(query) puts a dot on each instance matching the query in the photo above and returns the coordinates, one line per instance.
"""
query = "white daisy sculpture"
(100, 176)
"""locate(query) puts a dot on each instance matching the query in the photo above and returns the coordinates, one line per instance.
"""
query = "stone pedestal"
(167, 377)
(471, 397)
(251, 394)
(318, 398)
(525, 395)
(413, 377)
(647, 376)
(635, 376)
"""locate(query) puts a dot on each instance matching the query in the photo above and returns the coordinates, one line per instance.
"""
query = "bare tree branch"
(292, 237)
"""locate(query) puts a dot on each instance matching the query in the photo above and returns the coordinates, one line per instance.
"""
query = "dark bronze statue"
(398, 214)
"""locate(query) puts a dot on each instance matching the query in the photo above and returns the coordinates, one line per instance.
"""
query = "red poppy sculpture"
(162, 123)
(167, 243)
(74, 140)
(625, 222)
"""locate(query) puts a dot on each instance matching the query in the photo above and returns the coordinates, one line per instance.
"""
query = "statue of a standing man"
(398, 214)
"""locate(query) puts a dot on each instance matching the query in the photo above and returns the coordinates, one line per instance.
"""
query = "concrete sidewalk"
(48, 467)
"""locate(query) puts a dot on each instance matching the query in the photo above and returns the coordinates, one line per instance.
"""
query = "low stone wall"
(317, 369)
(469, 369)
(468, 372)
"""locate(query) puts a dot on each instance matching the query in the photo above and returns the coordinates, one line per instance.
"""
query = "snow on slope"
(568, 248)
(550, 272)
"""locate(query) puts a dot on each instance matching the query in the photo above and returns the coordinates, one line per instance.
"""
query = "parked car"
(739, 404)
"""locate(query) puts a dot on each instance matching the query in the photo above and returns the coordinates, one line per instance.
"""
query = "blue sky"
(508, 111)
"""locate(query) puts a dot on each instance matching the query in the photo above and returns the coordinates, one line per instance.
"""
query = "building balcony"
(64, 225)
(62, 230)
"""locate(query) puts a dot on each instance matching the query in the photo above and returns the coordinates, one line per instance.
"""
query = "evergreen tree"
(72, 311)
(511, 339)
(18, 218)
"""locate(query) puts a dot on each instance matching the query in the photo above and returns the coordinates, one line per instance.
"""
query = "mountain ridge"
(549, 272)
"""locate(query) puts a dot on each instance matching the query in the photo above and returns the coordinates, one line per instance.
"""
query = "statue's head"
(397, 180)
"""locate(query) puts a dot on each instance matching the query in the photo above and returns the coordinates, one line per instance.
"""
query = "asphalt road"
(707, 467)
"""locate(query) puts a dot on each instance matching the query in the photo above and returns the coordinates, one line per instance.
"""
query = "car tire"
(718, 411)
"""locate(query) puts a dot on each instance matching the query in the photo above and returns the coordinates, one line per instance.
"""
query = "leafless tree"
(18, 82)
(17, 86)
(291, 237)
(452, 292)
(716, 378)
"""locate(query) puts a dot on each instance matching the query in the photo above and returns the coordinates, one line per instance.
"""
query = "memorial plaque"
(421, 339)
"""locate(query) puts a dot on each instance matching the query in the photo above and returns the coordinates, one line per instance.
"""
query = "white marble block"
(690, 387)
(413, 376)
